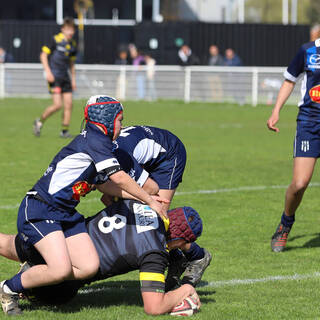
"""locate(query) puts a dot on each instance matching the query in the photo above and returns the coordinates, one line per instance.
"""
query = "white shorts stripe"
(174, 168)
(26, 216)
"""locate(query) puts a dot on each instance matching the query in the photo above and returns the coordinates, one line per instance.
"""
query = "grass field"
(244, 170)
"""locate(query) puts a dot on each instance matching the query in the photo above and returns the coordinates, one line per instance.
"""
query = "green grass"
(228, 147)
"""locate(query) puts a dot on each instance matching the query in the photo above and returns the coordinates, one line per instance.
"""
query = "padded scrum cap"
(103, 111)
(185, 223)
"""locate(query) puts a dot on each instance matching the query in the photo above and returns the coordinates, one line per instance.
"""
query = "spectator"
(122, 57)
(151, 90)
(5, 56)
(231, 58)
(186, 57)
(138, 61)
(315, 32)
(215, 58)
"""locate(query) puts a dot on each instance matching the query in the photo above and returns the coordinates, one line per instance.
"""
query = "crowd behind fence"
(241, 85)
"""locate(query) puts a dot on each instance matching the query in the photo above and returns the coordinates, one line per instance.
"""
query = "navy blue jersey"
(74, 168)
(124, 234)
(148, 145)
(61, 52)
(307, 64)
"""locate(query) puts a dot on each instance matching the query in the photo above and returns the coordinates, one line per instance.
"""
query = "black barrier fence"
(256, 44)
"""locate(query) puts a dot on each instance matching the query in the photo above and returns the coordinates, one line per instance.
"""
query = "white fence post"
(187, 85)
(254, 87)
(122, 83)
(2, 84)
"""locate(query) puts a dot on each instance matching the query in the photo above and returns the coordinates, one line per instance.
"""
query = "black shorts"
(60, 85)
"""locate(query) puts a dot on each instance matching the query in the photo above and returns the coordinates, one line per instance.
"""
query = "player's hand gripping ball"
(187, 307)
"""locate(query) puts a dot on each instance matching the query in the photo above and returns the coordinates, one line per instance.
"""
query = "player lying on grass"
(163, 156)
(128, 236)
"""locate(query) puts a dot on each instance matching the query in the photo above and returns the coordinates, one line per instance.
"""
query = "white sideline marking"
(235, 282)
(213, 191)
(220, 284)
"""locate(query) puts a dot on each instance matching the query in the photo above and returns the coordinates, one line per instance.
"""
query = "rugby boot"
(196, 268)
(9, 302)
(280, 237)
(65, 134)
(37, 125)
(175, 270)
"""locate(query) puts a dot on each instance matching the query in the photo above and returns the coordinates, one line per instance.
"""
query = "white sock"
(6, 289)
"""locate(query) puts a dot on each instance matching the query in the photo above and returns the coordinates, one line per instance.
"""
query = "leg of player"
(83, 255)
(67, 111)
(7, 247)
(59, 266)
(56, 105)
(302, 174)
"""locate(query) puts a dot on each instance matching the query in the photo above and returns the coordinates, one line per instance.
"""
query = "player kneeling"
(138, 240)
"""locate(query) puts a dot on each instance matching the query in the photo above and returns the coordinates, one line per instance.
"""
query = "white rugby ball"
(186, 308)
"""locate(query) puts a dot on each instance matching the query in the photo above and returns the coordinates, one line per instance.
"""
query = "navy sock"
(175, 254)
(287, 220)
(194, 253)
(14, 284)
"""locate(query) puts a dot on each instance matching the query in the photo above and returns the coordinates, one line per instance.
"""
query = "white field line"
(182, 193)
(248, 188)
(220, 284)
(235, 282)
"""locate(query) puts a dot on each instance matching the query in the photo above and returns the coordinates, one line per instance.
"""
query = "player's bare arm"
(126, 183)
(73, 75)
(46, 67)
(156, 303)
(284, 93)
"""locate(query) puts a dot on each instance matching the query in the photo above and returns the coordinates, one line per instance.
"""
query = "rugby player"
(58, 59)
(128, 236)
(306, 148)
(163, 156)
(47, 218)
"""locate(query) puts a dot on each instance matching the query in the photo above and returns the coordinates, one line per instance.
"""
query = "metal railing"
(242, 85)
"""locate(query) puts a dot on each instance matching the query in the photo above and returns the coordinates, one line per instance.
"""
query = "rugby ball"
(186, 308)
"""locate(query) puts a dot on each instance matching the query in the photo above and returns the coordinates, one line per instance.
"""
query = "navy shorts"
(168, 174)
(60, 85)
(37, 219)
(307, 140)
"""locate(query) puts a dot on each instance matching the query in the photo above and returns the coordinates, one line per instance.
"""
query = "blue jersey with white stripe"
(306, 63)
(148, 145)
(74, 168)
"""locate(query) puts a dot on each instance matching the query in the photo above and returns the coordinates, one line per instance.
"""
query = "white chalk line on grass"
(182, 193)
(220, 284)
(235, 282)
(248, 188)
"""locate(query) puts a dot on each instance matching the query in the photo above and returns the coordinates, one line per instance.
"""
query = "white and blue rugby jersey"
(72, 171)
(306, 63)
(148, 145)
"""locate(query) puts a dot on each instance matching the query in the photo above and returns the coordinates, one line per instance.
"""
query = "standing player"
(128, 236)
(163, 156)
(47, 218)
(57, 60)
(306, 149)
